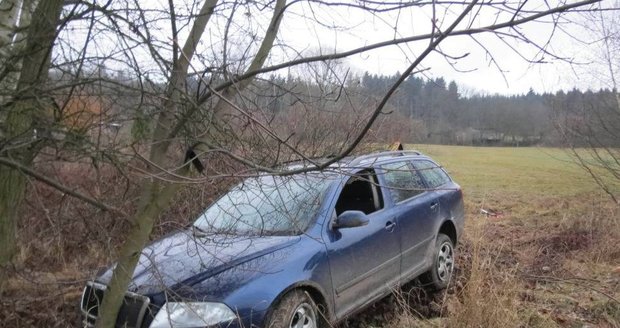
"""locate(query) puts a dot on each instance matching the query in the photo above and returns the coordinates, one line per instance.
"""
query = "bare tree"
(589, 124)
(196, 69)
(23, 111)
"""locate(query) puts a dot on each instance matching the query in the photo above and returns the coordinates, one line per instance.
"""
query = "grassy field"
(549, 258)
(523, 183)
(531, 172)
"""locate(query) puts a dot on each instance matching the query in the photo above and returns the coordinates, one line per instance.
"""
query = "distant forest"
(434, 111)
(324, 107)
(495, 120)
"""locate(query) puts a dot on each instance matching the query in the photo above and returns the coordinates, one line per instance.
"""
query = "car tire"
(296, 309)
(439, 275)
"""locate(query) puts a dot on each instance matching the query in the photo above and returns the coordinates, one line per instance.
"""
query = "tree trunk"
(156, 196)
(12, 42)
(9, 10)
(24, 110)
(12, 185)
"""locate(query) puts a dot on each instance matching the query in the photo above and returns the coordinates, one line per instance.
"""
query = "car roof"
(354, 163)
(384, 156)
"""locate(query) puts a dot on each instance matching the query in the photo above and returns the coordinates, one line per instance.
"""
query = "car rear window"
(402, 182)
(434, 175)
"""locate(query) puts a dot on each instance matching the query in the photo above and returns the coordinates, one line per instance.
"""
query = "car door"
(364, 261)
(448, 193)
(414, 210)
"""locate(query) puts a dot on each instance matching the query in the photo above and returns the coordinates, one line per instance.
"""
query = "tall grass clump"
(489, 297)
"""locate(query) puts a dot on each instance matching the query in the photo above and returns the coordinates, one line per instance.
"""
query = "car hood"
(185, 258)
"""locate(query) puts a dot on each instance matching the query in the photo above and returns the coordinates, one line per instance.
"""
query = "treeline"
(435, 111)
(518, 120)
(314, 111)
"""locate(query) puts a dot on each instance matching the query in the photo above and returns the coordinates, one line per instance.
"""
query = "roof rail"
(306, 160)
(388, 153)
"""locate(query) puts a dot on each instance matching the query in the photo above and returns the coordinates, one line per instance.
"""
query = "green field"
(525, 182)
(519, 171)
(554, 244)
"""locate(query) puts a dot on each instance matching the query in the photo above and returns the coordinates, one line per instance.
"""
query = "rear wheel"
(296, 309)
(440, 273)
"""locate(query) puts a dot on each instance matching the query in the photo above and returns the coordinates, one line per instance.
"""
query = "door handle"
(389, 226)
(434, 206)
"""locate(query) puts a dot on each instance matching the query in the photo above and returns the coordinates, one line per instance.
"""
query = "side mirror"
(350, 219)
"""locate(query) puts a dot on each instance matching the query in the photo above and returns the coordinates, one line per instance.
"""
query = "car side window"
(434, 175)
(402, 182)
(360, 193)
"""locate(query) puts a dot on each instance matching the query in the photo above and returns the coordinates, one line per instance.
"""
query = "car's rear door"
(415, 210)
(364, 261)
(448, 192)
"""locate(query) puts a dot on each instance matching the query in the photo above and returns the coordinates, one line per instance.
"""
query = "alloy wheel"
(445, 261)
(303, 317)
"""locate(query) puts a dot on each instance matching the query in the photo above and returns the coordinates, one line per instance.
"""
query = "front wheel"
(296, 309)
(440, 273)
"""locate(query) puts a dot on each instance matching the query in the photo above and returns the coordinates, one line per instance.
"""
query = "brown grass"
(63, 242)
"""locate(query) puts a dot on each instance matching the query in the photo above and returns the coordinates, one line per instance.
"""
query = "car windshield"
(266, 205)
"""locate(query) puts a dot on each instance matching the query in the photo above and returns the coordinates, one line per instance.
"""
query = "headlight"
(192, 314)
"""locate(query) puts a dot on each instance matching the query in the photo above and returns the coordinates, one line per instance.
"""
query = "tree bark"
(9, 10)
(155, 198)
(156, 195)
(23, 111)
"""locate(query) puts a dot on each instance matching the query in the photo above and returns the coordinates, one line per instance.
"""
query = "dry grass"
(64, 242)
(551, 259)
(489, 296)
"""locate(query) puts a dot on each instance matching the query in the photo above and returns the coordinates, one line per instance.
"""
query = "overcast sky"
(486, 64)
(506, 72)
(515, 75)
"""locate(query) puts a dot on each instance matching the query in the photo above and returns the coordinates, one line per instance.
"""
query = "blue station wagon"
(304, 250)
